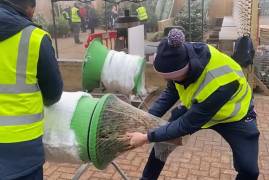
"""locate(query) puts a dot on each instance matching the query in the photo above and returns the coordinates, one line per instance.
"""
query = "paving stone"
(207, 156)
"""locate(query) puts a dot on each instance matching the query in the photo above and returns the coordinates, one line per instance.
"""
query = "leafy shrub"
(182, 19)
(62, 27)
(41, 21)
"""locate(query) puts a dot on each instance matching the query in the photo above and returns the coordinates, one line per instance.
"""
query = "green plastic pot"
(81, 121)
(139, 77)
(93, 146)
(92, 68)
(94, 61)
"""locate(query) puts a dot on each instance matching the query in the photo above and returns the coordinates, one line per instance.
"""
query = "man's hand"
(137, 139)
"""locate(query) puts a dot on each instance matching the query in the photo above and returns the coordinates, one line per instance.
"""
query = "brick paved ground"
(205, 157)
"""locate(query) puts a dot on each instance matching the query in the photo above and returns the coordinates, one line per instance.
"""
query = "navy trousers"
(36, 175)
(243, 138)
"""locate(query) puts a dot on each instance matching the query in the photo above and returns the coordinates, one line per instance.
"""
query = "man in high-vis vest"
(76, 22)
(66, 14)
(29, 79)
(213, 94)
(142, 13)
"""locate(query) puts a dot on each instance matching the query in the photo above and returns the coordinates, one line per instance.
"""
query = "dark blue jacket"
(19, 159)
(183, 121)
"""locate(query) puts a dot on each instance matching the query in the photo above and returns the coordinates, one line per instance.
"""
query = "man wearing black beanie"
(29, 79)
(213, 93)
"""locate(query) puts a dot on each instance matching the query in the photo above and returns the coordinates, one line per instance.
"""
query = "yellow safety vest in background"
(220, 71)
(142, 13)
(66, 15)
(21, 112)
(74, 15)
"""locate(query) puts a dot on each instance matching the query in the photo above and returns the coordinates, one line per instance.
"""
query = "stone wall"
(72, 74)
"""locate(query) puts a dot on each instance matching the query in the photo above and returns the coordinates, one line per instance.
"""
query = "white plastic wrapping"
(59, 139)
(163, 149)
(119, 72)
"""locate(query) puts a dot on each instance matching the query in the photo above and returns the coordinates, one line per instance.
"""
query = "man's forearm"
(165, 101)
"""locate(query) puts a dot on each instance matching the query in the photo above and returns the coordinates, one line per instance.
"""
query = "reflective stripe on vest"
(20, 86)
(74, 15)
(21, 120)
(21, 117)
(220, 70)
(216, 73)
(142, 13)
(236, 108)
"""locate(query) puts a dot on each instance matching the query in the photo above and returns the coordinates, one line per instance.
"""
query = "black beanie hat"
(171, 54)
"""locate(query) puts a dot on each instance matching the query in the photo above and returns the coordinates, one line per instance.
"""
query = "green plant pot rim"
(81, 124)
(139, 75)
(93, 132)
(92, 68)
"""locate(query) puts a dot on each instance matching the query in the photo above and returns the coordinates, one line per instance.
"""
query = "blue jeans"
(243, 138)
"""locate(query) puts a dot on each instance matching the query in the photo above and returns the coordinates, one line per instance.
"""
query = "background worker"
(142, 13)
(66, 15)
(29, 78)
(213, 92)
(113, 16)
(91, 18)
(143, 17)
(83, 16)
(76, 22)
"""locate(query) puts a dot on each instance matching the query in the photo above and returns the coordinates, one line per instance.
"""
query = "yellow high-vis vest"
(21, 112)
(220, 71)
(74, 15)
(66, 15)
(142, 13)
